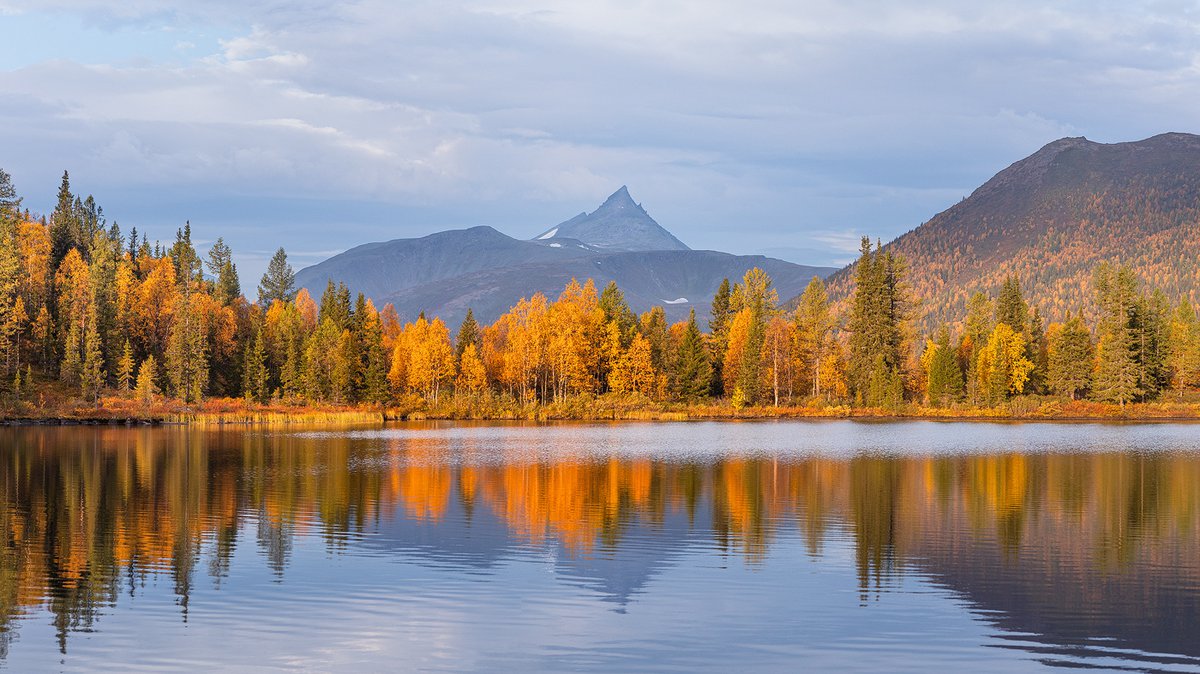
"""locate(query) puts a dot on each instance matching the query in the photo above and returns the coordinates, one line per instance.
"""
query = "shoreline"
(221, 413)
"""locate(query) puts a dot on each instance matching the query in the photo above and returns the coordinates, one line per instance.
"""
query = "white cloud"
(743, 126)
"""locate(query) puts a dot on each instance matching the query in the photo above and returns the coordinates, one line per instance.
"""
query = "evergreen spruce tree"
(254, 369)
(1011, 308)
(468, 333)
(1038, 353)
(187, 355)
(226, 287)
(1071, 358)
(1118, 372)
(92, 375)
(279, 282)
(188, 268)
(945, 383)
(692, 378)
(612, 303)
(335, 305)
(718, 327)
(880, 308)
(63, 223)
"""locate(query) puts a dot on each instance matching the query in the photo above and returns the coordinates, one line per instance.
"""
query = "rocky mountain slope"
(1051, 218)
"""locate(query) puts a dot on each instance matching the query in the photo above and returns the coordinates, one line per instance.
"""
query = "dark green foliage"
(877, 344)
(718, 326)
(468, 333)
(945, 374)
(654, 328)
(254, 369)
(1069, 371)
(226, 285)
(1118, 371)
(693, 372)
(335, 305)
(279, 281)
(1011, 308)
(1038, 349)
(612, 303)
(188, 268)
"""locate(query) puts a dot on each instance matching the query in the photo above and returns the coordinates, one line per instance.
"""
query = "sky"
(783, 127)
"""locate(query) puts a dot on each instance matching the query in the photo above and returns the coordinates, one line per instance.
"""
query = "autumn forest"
(96, 323)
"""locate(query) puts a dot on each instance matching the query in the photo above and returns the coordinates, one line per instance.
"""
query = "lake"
(726, 546)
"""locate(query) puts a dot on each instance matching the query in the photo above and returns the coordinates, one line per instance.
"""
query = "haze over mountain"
(487, 271)
(1050, 218)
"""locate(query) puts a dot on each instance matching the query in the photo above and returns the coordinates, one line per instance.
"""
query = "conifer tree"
(945, 377)
(188, 355)
(814, 323)
(1011, 308)
(1071, 358)
(468, 333)
(125, 369)
(877, 335)
(254, 369)
(226, 287)
(92, 369)
(718, 326)
(64, 224)
(612, 303)
(279, 281)
(693, 371)
(1038, 352)
(1117, 370)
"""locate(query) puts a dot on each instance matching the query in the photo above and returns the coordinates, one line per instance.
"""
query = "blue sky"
(773, 126)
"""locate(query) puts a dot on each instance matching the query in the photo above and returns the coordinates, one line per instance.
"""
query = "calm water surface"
(679, 547)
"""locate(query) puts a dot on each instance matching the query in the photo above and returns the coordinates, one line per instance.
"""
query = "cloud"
(742, 126)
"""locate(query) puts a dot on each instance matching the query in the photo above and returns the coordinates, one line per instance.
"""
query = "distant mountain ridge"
(487, 271)
(1050, 218)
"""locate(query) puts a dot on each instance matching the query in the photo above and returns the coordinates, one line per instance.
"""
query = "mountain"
(677, 280)
(619, 224)
(377, 269)
(1050, 218)
(480, 268)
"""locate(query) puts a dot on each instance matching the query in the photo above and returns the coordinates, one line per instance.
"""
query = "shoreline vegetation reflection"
(1068, 545)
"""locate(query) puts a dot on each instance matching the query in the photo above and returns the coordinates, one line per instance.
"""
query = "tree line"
(105, 314)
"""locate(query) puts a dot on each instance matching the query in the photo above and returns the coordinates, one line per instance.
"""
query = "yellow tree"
(573, 339)
(778, 357)
(526, 350)
(634, 372)
(1002, 368)
(431, 357)
(738, 342)
(472, 377)
(33, 249)
(73, 285)
(154, 307)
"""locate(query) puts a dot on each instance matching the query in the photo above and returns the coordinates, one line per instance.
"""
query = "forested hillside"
(96, 322)
(1049, 219)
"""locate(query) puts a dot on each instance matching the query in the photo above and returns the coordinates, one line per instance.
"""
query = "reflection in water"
(1069, 547)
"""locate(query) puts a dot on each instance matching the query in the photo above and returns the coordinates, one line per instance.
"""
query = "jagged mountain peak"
(619, 225)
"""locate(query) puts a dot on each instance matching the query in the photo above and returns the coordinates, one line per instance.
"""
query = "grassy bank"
(232, 411)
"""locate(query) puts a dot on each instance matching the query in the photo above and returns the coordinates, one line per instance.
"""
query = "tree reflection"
(86, 512)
